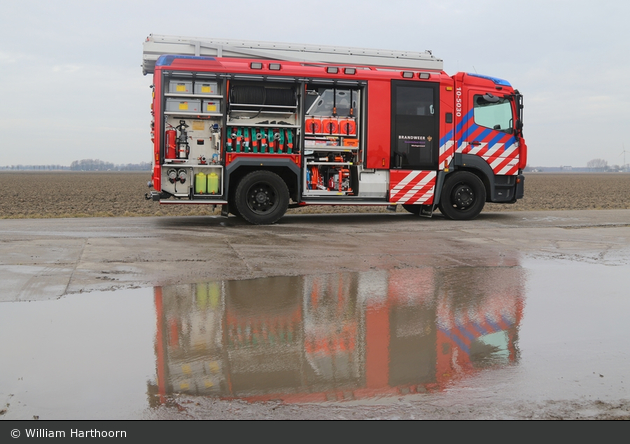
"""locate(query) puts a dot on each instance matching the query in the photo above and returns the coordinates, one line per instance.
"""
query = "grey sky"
(72, 85)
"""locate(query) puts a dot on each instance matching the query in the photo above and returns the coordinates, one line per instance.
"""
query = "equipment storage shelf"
(183, 106)
(330, 171)
(187, 114)
(271, 119)
(207, 96)
(332, 149)
(263, 105)
(254, 139)
(192, 139)
(193, 97)
(262, 125)
(329, 163)
(207, 181)
(271, 108)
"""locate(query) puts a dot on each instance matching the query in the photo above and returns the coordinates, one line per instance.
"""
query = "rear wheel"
(463, 196)
(232, 203)
(261, 197)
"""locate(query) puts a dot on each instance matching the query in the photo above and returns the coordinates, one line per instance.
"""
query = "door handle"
(475, 143)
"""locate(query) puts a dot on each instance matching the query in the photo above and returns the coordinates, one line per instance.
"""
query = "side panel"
(412, 187)
(156, 112)
(498, 148)
(378, 124)
(447, 122)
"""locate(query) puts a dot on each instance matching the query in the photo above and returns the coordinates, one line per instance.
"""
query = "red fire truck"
(260, 127)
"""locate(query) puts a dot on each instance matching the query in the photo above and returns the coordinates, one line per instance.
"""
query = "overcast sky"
(72, 83)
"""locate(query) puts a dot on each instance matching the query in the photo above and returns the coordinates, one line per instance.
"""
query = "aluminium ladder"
(157, 45)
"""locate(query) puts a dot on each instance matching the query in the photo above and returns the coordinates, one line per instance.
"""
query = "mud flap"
(427, 210)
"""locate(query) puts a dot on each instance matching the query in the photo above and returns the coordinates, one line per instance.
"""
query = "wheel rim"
(261, 198)
(463, 197)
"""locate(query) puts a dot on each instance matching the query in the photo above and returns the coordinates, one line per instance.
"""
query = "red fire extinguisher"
(183, 149)
(170, 143)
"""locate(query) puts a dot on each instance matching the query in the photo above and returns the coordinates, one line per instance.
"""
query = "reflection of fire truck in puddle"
(338, 336)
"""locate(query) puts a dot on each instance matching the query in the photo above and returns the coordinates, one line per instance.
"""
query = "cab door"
(415, 131)
(490, 132)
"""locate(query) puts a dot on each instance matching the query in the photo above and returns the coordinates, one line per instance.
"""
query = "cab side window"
(493, 112)
(414, 101)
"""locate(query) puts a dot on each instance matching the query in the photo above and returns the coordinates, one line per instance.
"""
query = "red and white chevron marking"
(497, 312)
(447, 151)
(503, 160)
(412, 187)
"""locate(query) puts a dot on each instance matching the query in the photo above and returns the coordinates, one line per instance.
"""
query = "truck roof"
(157, 45)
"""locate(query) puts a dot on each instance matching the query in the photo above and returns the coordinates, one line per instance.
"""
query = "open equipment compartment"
(262, 117)
(192, 142)
(332, 141)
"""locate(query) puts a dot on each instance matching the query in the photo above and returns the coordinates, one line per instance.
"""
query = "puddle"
(509, 329)
(335, 337)
(86, 356)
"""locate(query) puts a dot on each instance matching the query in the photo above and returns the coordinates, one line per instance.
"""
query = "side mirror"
(490, 98)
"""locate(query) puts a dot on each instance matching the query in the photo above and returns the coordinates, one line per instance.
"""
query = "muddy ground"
(32, 194)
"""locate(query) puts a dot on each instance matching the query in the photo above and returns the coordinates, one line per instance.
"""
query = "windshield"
(494, 112)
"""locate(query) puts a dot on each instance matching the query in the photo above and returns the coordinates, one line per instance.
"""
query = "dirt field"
(115, 194)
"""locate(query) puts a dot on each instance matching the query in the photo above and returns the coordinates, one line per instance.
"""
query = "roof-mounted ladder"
(157, 45)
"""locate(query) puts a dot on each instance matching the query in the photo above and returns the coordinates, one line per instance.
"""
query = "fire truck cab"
(260, 127)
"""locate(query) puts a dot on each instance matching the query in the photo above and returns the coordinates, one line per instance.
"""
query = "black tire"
(261, 197)
(413, 209)
(463, 196)
(232, 203)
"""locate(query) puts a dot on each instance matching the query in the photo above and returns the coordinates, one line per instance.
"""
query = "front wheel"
(413, 209)
(463, 196)
(261, 197)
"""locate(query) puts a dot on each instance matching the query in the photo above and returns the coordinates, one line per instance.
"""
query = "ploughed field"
(32, 194)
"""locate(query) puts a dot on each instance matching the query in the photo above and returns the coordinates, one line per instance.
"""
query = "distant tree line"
(601, 165)
(84, 165)
(597, 164)
(99, 165)
(592, 166)
(35, 167)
